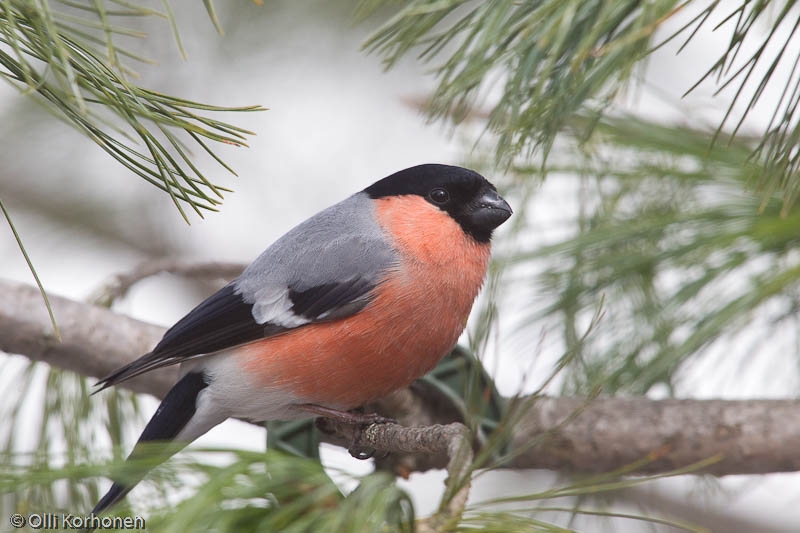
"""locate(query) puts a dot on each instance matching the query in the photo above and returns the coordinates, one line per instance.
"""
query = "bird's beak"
(491, 210)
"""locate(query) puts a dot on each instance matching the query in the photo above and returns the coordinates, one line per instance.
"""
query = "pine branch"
(71, 64)
(756, 26)
(569, 434)
(550, 58)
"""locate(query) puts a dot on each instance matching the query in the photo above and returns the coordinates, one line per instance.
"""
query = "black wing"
(225, 320)
(331, 300)
(221, 321)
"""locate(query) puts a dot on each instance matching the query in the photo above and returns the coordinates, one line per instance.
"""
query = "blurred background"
(670, 234)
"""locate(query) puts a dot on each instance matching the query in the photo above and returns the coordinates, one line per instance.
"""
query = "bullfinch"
(354, 303)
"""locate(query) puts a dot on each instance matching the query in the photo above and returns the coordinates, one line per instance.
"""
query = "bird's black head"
(464, 194)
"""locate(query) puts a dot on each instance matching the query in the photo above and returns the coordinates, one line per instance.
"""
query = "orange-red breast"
(357, 301)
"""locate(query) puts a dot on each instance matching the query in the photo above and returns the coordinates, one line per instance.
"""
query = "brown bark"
(749, 436)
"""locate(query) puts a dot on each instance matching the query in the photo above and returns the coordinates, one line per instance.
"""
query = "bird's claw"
(361, 453)
(356, 418)
(364, 452)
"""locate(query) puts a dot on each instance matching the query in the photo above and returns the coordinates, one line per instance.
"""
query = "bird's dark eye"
(439, 196)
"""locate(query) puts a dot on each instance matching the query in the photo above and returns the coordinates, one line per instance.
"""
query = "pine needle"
(32, 269)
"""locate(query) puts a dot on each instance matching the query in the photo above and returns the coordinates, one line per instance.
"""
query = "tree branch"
(567, 434)
(452, 441)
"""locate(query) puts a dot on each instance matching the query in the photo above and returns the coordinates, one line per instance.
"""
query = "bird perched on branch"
(354, 303)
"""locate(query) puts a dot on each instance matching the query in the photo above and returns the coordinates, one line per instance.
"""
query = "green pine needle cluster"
(65, 437)
(549, 58)
(757, 25)
(670, 239)
(68, 58)
(272, 491)
(538, 64)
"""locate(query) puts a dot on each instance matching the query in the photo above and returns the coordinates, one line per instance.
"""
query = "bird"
(350, 305)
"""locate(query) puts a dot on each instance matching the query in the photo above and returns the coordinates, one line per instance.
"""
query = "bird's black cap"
(464, 194)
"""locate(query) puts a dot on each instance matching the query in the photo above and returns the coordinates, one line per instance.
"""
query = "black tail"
(175, 411)
(114, 494)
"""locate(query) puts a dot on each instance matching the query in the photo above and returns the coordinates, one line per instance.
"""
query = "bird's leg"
(346, 417)
(359, 420)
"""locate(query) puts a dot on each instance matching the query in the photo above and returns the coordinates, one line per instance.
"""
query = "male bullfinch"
(354, 303)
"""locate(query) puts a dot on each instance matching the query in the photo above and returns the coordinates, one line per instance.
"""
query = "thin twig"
(120, 284)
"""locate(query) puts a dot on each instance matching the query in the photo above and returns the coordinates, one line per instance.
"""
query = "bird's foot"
(355, 418)
(362, 453)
